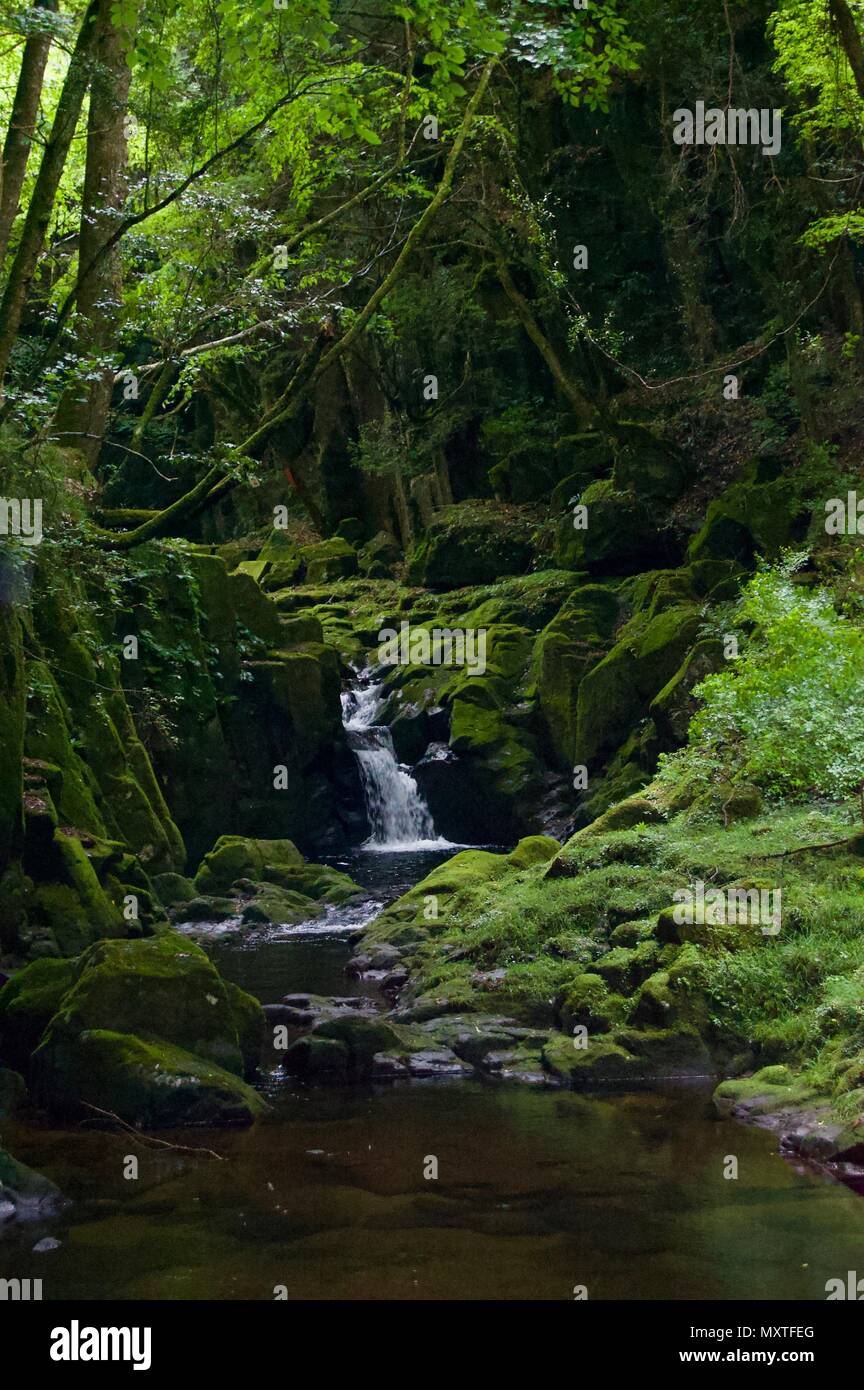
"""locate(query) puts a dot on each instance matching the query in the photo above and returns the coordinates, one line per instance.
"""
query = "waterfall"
(398, 815)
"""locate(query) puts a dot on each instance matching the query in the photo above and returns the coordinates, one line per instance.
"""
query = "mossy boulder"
(619, 537)
(304, 627)
(316, 1056)
(652, 469)
(166, 987)
(379, 557)
(239, 856)
(425, 907)
(531, 850)
(766, 1092)
(173, 889)
(624, 968)
(149, 1030)
(575, 640)
(749, 518)
(146, 1082)
(335, 558)
(674, 706)
(277, 906)
(588, 1002)
(472, 543)
(614, 694)
(603, 1063)
(248, 1019)
(28, 1002)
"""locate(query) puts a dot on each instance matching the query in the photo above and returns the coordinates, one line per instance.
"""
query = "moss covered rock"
(28, 1002)
(146, 1082)
(238, 856)
(335, 558)
(472, 543)
(565, 651)
(614, 694)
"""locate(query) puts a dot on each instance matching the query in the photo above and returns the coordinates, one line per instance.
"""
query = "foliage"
(789, 712)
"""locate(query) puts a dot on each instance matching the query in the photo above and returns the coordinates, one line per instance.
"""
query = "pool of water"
(273, 961)
(537, 1192)
(332, 1195)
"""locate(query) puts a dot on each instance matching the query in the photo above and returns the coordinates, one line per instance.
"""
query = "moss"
(624, 968)
(173, 889)
(331, 559)
(362, 1037)
(146, 1082)
(238, 856)
(587, 1002)
(619, 537)
(565, 651)
(248, 1019)
(613, 695)
(304, 628)
(602, 1063)
(101, 914)
(279, 905)
(748, 518)
(766, 1091)
(533, 849)
(165, 987)
(674, 706)
(28, 1002)
(472, 543)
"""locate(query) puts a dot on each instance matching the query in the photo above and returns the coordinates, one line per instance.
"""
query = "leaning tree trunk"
(22, 125)
(844, 23)
(83, 412)
(47, 182)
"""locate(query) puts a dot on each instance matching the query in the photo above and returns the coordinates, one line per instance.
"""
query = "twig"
(805, 849)
(151, 1138)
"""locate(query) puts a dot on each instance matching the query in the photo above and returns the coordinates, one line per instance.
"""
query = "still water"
(537, 1191)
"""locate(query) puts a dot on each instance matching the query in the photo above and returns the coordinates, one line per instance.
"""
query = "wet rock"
(393, 982)
(314, 1056)
(387, 1067)
(43, 1246)
(279, 906)
(439, 1063)
(23, 1192)
(206, 910)
(149, 1031)
(286, 1014)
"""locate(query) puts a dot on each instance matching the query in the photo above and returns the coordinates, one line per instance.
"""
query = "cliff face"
(135, 731)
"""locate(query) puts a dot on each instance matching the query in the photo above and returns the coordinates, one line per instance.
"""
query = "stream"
(537, 1191)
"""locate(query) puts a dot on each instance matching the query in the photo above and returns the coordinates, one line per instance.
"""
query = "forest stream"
(327, 1198)
(432, 661)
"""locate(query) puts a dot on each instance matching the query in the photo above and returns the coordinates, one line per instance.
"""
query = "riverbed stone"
(24, 1193)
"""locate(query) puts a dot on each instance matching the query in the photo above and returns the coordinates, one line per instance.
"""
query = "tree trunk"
(22, 124)
(47, 182)
(84, 408)
(844, 23)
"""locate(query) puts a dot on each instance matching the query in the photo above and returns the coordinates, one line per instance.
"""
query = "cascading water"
(398, 815)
